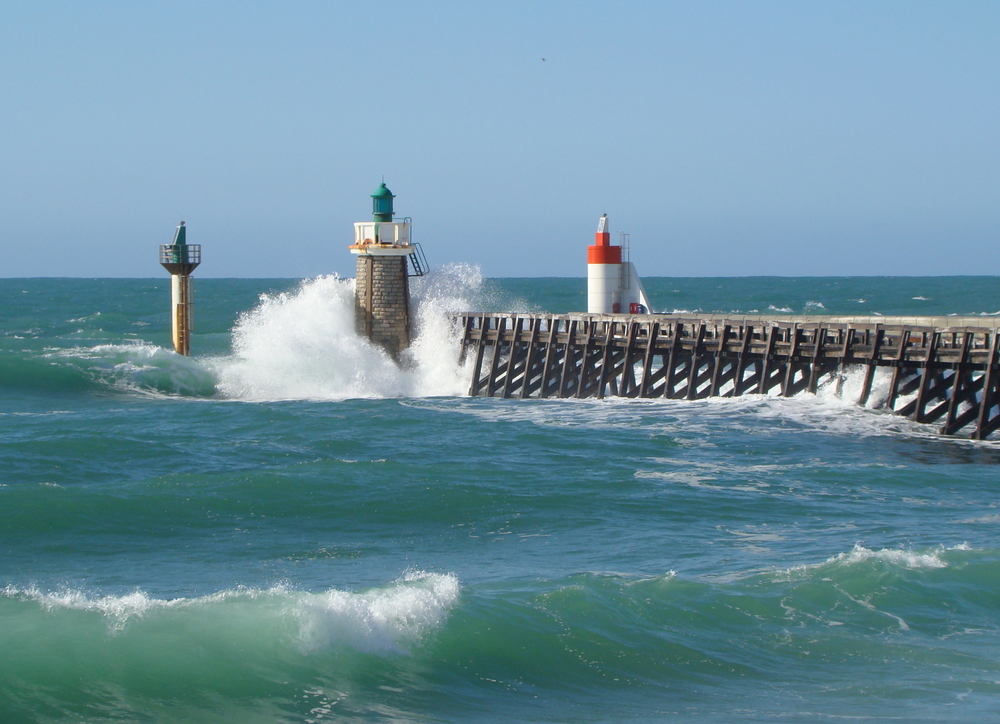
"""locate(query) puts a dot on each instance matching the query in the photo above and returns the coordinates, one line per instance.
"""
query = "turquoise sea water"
(287, 528)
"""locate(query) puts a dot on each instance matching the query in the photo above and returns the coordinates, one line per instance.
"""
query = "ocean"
(286, 527)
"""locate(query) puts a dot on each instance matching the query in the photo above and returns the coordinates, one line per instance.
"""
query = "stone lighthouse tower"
(382, 291)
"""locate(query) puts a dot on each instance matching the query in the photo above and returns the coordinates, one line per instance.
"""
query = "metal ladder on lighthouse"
(418, 261)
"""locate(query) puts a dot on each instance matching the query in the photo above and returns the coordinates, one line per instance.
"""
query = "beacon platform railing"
(180, 253)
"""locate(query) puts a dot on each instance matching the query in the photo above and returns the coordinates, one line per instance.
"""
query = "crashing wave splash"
(303, 345)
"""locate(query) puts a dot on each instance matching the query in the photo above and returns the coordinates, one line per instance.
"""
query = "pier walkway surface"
(939, 368)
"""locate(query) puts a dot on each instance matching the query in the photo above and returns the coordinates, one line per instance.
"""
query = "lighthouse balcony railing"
(395, 233)
(180, 253)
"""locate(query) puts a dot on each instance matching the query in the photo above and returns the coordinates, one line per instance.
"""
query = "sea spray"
(380, 621)
(434, 353)
(303, 344)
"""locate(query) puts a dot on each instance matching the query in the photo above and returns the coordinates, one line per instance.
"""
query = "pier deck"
(942, 369)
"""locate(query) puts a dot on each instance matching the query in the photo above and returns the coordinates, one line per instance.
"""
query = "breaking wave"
(386, 620)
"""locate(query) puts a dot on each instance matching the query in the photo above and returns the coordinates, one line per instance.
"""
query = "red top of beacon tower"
(602, 252)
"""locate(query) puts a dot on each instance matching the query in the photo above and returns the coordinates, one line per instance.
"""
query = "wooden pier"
(943, 370)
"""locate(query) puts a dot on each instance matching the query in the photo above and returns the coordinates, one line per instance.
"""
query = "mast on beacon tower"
(180, 259)
(382, 288)
(613, 286)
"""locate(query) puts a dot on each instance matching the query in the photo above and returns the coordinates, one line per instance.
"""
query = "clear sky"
(728, 138)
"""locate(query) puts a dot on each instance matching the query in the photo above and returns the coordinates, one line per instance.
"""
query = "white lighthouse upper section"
(382, 238)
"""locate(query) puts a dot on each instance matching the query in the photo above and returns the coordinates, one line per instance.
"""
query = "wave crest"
(383, 620)
(380, 621)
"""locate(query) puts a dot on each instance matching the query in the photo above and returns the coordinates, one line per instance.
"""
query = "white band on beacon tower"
(604, 294)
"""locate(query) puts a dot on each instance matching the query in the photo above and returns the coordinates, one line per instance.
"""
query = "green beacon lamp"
(382, 204)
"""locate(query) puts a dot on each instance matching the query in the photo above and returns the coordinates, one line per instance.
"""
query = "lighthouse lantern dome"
(382, 204)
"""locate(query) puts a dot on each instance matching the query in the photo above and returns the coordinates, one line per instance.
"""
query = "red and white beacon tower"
(613, 287)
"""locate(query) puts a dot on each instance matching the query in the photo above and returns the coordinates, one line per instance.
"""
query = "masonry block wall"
(382, 302)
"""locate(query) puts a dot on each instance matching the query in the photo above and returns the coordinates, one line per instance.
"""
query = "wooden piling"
(937, 372)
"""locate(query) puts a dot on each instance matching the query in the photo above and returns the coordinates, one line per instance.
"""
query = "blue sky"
(728, 138)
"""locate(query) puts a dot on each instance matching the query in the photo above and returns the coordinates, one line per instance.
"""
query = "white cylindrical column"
(604, 288)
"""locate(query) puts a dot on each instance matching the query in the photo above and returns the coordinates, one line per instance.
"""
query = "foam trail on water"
(303, 344)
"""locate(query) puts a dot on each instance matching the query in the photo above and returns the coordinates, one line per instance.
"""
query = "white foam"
(379, 621)
(894, 556)
(437, 340)
(303, 344)
(690, 419)
(116, 609)
(825, 412)
(383, 620)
